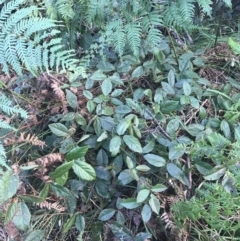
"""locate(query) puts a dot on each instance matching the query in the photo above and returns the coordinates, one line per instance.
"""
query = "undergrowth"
(135, 136)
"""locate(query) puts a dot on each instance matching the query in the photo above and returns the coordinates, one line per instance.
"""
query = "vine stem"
(174, 49)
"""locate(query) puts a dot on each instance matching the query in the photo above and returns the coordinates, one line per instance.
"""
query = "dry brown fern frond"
(60, 94)
(45, 162)
(56, 206)
(31, 139)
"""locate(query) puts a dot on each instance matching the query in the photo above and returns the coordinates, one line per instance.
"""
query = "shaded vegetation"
(119, 120)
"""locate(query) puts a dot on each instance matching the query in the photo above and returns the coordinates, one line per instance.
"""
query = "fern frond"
(205, 6)
(5, 125)
(6, 106)
(134, 37)
(24, 37)
(64, 7)
(3, 157)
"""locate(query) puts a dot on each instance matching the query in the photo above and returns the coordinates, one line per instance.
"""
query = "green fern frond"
(64, 7)
(24, 39)
(7, 107)
(5, 125)
(205, 6)
(134, 37)
(234, 46)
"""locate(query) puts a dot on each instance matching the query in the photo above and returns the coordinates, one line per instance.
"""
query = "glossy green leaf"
(106, 86)
(102, 158)
(169, 106)
(143, 237)
(59, 129)
(177, 173)
(71, 99)
(158, 188)
(84, 170)
(225, 128)
(102, 188)
(132, 143)
(130, 203)
(22, 216)
(123, 109)
(154, 204)
(102, 173)
(142, 195)
(106, 214)
(146, 213)
(195, 129)
(155, 160)
(115, 144)
(69, 223)
(65, 167)
(76, 153)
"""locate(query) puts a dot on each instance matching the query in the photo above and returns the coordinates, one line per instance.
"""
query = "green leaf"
(71, 99)
(122, 126)
(137, 72)
(155, 160)
(59, 129)
(62, 180)
(142, 237)
(177, 173)
(106, 214)
(215, 174)
(102, 188)
(195, 129)
(76, 153)
(125, 177)
(98, 75)
(203, 167)
(88, 94)
(169, 106)
(69, 224)
(31, 198)
(8, 185)
(187, 90)
(120, 231)
(130, 203)
(171, 78)
(59, 190)
(143, 168)
(175, 153)
(80, 223)
(132, 143)
(36, 235)
(65, 167)
(102, 173)
(106, 86)
(102, 158)
(225, 128)
(102, 137)
(84, 170)
(120, 217)
(90, 106)
(44, 192)
(115, 144)
(12, 208)
(22, 217)
(129, 163)
(142, 195)
(168, 88)
(146, 213)
(123, 109)
(159, 188)
(154, 204)
(107, 123)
